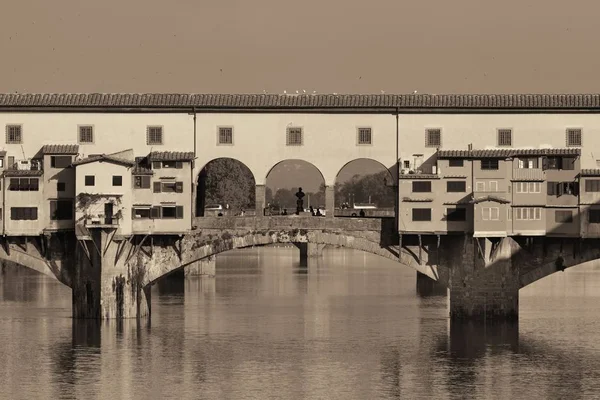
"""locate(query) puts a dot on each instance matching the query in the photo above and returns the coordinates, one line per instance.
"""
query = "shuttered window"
(592, 185)
(14, 134)
(421, 214)
(154, 135)
(505, 137)
(456, 162)
(574, 137)
(24, 184)
(141, 182)
(421, 187)
(456, 186)
(225, 135)
(60, 161)
(365, 136)
(156, 187)
(24, 213)
(86, 134)
(489, 163)
(294, 137)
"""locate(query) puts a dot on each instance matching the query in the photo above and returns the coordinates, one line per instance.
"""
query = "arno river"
(350, 326)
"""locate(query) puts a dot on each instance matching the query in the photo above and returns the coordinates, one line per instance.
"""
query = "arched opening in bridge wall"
(225, 186)
(283, 183)
(365, 185)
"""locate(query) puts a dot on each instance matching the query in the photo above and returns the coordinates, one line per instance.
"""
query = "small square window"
(86, 134)
(117, 180)
(154, 135)
(61, 186)
(455, 162)
(365, 136)
(433, 138)
(294, 137)
(406, 164)
(574, 138)
(225, 135)
(505, 137)
(14, 134)
(90, 180)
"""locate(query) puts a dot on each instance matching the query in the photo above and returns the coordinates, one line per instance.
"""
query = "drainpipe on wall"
(4, 207)
(397, 178)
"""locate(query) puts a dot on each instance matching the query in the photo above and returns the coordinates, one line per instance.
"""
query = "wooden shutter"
(179, 212)
(34, 215)
(179, 165)
(156, 164)
(551, 188)
(179, 187)
(155, 213)
(145, 182)
(156, 187)
(569, 163)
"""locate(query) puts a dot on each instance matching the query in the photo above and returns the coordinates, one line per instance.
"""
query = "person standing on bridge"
(299, 202)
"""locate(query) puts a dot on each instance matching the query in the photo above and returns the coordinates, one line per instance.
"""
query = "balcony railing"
(528, 174)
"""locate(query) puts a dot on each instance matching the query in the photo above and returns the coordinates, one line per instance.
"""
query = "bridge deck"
(385, 224)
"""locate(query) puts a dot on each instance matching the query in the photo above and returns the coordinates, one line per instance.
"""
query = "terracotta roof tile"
(489, 198)
(23, 172)
(507, 153)
(171, 156)
(416, 200)
(402, 101)
(590, 172)
(103, 157)
(60, 149)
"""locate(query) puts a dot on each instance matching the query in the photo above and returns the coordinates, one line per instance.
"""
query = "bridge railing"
(293, 221)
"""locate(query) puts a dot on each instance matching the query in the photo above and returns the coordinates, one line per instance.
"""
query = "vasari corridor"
(290, 246)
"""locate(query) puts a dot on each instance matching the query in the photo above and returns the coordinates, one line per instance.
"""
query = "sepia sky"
(349, 46)
(341, 46)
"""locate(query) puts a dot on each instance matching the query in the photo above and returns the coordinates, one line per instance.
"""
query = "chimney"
(470, 146)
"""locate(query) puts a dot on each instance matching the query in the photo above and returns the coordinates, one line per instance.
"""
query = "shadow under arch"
(33, 263)
(298, 165)
(256, 239)
(225, 181)
(385, 179)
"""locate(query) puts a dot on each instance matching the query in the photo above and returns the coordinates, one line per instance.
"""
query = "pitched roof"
(171, 156)
(489, 198)
(23, 172)
(60, 149)
(506, 153)
(102, 158)
(402, 101)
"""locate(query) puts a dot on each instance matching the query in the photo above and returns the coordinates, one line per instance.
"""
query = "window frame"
(54, 160)
(568, 220)
(451, 160)
(289, 130)
(117, 180)
(448, 183)
(80, 132)
(149, 133)
(142, 179)
(428, 141)
(425, 218)
(8, 133)
(568, 132)
(364, 129)
(499, 137)
(55, 215)
(489, 167)
(86, 180)
(593, 212)
(421, 182)
(219, 142)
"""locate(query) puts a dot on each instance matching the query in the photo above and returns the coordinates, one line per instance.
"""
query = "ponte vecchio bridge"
(493, 192)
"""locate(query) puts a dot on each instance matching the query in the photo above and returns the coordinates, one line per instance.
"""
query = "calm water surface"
(350, 326)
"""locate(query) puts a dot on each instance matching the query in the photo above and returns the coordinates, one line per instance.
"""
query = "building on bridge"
(508, 170)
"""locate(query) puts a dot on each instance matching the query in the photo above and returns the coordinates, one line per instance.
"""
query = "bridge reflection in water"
(351, 327)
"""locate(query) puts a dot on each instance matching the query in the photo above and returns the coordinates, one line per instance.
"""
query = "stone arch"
(164, 264)
(303, 164)
(231, 168)
(36, 263)
(559, 263)
(385, 190)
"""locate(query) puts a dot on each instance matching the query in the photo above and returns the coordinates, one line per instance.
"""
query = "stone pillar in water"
(104, 286)
(484, 283)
